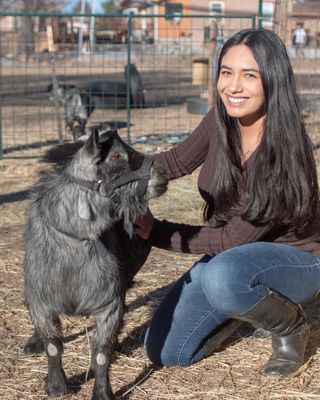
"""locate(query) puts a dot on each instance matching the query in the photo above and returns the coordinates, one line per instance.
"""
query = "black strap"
(107, 188)
(142, 175)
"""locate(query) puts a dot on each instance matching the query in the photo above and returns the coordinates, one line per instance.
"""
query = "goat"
(80, 253)
(78, 104)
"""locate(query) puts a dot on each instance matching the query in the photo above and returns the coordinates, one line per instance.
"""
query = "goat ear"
(84, 210)
(78, 133)
(93, 140)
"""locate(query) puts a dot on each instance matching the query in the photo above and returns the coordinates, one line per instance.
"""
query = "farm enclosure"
(28, 121)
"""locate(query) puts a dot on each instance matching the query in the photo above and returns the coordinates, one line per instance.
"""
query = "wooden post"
(213, 46)
(55, 88)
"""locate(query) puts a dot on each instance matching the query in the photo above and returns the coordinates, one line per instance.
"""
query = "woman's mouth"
(237, 101)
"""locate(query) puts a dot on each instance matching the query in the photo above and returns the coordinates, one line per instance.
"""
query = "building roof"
(306, 9)
(135, 4)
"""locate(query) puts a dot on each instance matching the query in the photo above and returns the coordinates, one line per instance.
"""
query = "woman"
(261, 241)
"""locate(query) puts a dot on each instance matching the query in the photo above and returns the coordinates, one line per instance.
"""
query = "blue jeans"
(230, 283)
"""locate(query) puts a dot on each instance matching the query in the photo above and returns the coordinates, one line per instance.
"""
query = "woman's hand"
(143, 225)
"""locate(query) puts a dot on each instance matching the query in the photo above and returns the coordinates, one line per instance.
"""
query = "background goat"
(79, 250)
(78, 104)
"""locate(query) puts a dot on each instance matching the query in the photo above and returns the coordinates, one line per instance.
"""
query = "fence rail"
(149, 76)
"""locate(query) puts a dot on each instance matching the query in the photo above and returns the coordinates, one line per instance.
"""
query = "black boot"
(289, 330)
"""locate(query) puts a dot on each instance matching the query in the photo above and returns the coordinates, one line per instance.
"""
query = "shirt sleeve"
(187, 156)
(205, 239)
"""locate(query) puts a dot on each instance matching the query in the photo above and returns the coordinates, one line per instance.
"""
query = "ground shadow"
(113, 124)
(12, 197)
(34, 145)
(124, 392)
(76, 382)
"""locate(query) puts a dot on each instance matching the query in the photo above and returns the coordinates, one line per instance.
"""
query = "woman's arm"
(190, 154)
(204, 239)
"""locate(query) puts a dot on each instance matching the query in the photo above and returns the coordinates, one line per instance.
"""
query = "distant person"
(260, 243)
(299, 40)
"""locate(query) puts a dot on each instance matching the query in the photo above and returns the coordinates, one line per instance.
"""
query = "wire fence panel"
(147, 76)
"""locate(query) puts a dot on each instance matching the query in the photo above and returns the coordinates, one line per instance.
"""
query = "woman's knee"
(168, 354)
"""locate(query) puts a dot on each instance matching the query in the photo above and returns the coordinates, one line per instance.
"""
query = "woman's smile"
(240, 86)
(237, 101)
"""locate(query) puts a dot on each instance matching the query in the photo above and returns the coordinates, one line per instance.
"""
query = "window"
(216, 7)
(42, 23)
(267, 13)
(173, 10)
(131, 10)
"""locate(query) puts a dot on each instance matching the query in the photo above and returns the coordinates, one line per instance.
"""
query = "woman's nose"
(235, 84)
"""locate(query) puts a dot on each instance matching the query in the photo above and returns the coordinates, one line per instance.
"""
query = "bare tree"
(26, 26)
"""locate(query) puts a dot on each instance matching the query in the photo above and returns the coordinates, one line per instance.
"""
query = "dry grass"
(234, 373)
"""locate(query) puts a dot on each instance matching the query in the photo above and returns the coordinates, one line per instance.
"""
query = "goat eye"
(114, 157)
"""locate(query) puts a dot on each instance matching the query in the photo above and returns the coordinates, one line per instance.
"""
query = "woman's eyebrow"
(251, 70)
(225, 67)
(243, 69)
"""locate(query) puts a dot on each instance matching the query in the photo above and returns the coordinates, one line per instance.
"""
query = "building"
(174, 27)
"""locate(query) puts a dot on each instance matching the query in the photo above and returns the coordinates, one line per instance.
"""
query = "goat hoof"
(57, 389)
(34, 345)
(102, 394)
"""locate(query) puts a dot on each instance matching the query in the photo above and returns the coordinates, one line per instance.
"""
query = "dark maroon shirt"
(201, 148)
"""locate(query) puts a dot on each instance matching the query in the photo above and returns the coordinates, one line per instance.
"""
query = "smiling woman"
(241, 91)
(261, 241)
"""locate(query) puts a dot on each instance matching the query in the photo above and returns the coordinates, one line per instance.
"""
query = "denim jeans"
(230, 283)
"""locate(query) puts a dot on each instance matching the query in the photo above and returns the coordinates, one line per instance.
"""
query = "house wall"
(175, 28)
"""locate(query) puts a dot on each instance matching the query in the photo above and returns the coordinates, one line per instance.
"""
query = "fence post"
(213, 47)
(253, 19)
(128, 74)
(260, 19)
(1, 148)
(54, 82)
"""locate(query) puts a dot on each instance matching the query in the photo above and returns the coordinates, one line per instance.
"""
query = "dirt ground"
(232, 373)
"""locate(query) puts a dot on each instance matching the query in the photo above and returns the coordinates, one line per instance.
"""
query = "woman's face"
(239, 85)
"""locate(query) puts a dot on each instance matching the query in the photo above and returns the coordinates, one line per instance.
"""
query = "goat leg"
(102, 389)
(108, 323)
(56, 385)
(34, 345)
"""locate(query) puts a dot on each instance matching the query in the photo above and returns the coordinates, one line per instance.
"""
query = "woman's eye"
(225, 73)
(250, 76)
(114, 157)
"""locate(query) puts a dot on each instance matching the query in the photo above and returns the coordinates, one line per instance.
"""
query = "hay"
(233, 373)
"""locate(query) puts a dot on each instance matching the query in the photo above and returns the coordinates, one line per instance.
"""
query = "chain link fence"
(149, 76)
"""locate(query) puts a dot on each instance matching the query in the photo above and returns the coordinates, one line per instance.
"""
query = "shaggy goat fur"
(79, 256)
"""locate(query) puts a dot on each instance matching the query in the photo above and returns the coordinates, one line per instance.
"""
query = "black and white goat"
(78, 104)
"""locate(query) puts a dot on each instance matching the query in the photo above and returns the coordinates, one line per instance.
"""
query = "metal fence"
(162, 103)
(149, 76)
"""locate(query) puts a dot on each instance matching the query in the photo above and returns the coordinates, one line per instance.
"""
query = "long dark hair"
(282, 187)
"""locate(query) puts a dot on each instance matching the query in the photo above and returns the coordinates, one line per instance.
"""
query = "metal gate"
(149, 76)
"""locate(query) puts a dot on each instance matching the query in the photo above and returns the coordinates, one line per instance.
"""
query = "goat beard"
(129, 208)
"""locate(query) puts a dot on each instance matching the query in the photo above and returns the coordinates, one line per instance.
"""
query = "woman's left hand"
(143, 225)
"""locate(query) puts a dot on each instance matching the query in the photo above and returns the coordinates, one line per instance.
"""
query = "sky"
(71, 3)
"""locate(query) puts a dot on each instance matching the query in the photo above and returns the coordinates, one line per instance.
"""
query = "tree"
(77, 7)
(26, 31)
(5, 5)
(110, 7)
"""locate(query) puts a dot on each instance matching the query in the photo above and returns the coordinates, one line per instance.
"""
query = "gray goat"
(80, 253)
(78, 104)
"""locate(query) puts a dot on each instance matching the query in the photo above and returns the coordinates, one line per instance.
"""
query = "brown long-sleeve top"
(201, 148)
